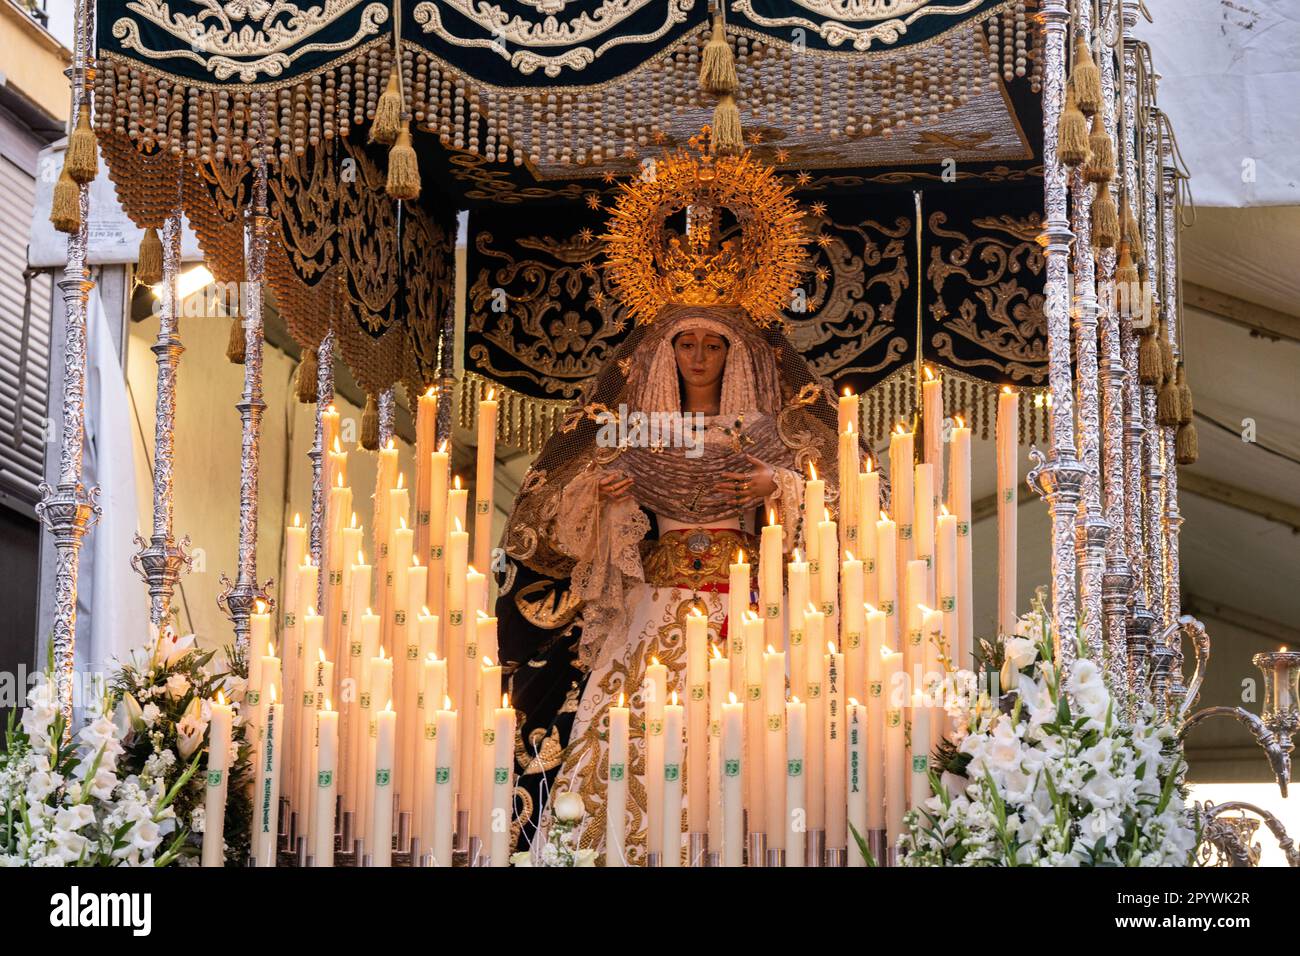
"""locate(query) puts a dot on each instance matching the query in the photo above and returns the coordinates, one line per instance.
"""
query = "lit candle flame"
(943, 510)
(338, 449)
(673, 695)
(961, 422)
(771, 517)
(392, 445)
(848, 555)
(869, 607)
(811, 609)
(848, 392)
(430, 392)
(221, 697)
(415, 560)
(826, 514)
(848, 427)
(381, 652)
(459, 526)
(261, 606)
(797, 558)
(620, 698)
(740, 555)
(446, 702)
(388, 707)
(732, 695)
(717, 652)
(505, 701)
(273, 694)
(853, 702)
(1007, 390)
(339, 483)
(487, 661)
(929, 374)
(871, 465)
(270, 649)
(424, 611)
(813, 468)
(456, 481)
(361, 556)
(328, 705)
(431, 658)
(354, 521)
(297, 520)
(696, 612)
(654, 661)
(899, 429)
(794, 699)
(321, 652)
(442, 446)
(771, 649)
(490, 394)
(883, 515)
(830, 647)
(400, 478)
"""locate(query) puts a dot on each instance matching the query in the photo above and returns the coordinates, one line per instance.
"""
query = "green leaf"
(862, 847)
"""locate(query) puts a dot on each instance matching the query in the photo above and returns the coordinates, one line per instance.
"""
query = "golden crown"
(753, 263)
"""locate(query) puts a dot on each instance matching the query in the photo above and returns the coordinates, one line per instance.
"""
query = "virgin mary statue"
(702, 421)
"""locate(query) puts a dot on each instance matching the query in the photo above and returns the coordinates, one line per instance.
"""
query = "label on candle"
(501, 775)
(1008, 494)
(365, 699)
(869, 565)
(412, 652)
(754, 691)
(814, 690)
(422, 517)
(893, 718)
(435, 552)
(963, 528)
(430, 731)
(471, 651)
(382, 777)
(308, 698)
(920, 763)
(289, 620)
(355, 649)
(252, 697)
(419, 700)
(914, 638)
(774, 722)
(875, 688)
(489, 737)
(796, 638)
(947, 603)
(214, 778)
(905, 532)
(442, 775)
(672, 771)
(853, 639)
(731, 768)
(455, 617)
(697, 692)
(617, 771)
(399, 617)
(772, 610)
(794, 768)
(887, 607)
(715, 728)
(324, 778)
(828, 608)
(654, 727)
(851, 533)
(482, 507)
(336, 577)
(814, 567)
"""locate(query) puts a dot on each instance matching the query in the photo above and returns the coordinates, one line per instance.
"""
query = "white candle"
(815, 745)
(923, 523)
(267, 793)
(853, 628)
(848, 462)
(216, 780)
(489, 691)
(733, 747)
(433, 689)
(327, 745)
(932, 625)
(697, 710)
(829, 579)
(503, 758)
(737, 608)
(849, 406)
(410, 722)
(814, 506)
(401, 547)
(351, 685)
(654, 694)
(914, 648)
(1008, 436)
(858, 773)
(352, 538)
(769, 580)
(426, 432)
(384, 745)
(774, 746)
(380, 689)
(896, 770)
(259, 648)
(616, 786)
(932, 415)
(444, 786)
(483, 482)
(875, 759)
(337, 510)
(836, 794)
(868, 511)
(671, 810)
(365, 645)
(719, 688)
(796, 813)
(437, 582)
(959, 504)
(797, 576)
(900, 503)
(461, 668)
(919, 737)
(313, 629)
(887, 575)
(755, 718)
(945, 576)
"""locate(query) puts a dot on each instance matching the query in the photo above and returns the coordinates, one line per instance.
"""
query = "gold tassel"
(718, 63)
(1168, 408)
(1130, 231)
(388, 113)
(1072, 137)
(306, 384)
(370, 425)
(403, 167)
(1186, 445)
(1150, 362)
(82, 158)
(726, 124)
(65, 208)
(149, 268)
(1085, 80)
(1166, 351)
(1101, 161)
(1126, 273)
(1184, 397)
(1105, 220)
(235, 344)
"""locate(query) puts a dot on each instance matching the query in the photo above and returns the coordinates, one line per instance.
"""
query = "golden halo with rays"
(755, 266)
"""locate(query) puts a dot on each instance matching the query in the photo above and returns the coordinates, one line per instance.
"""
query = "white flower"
(522, 858)
(190, 729)
(149, 714)
(569, 807)
(171, 647)
(177, 685)
(1020, 651)
(584, 858)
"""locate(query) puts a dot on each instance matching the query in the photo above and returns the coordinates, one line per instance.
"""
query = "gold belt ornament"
(695, 557)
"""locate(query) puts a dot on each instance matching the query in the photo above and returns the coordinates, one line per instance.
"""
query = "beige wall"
(207, 461)
(34, 61)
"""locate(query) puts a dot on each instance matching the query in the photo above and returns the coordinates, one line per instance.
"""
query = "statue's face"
(701, 357)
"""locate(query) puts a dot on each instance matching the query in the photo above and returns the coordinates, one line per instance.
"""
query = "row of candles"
(390, 745)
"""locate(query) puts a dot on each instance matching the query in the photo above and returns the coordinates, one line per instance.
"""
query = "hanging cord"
(917, 195)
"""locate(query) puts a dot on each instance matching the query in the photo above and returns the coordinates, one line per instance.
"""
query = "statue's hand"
(745, 489)
(614, 487)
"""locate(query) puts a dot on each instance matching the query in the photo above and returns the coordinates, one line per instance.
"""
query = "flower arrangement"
(164, 700)
(1053, 776)
(561, 846)
(75, 803)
